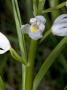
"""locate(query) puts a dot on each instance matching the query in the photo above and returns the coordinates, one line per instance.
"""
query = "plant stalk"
(30, 66)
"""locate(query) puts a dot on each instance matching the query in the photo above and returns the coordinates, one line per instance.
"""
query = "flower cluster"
(35, 28)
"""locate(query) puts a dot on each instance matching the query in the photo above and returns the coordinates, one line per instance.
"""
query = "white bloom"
(35, 28)
(4, 44)
(59, 27)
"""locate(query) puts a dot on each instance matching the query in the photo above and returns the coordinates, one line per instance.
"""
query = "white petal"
(33, 20)
(4, 44)
(63, 20)
(60, 18)
(25, 28)
(60, 33)
(59, 27)
(35, 36)
(41, 27)
(60, 30)
(41, 19)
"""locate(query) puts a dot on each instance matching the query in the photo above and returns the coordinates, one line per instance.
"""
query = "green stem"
(23, 76)
(48, 62)
(20, 38)
(30, 66)
(17, 10)
(28, 70)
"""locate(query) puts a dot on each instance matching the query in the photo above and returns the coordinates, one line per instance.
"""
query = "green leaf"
(2, 86)
(18, 24)
(18, 12)
(54, 8)
(34, 7)
(48, 62)
(16, 56)
(41, 5)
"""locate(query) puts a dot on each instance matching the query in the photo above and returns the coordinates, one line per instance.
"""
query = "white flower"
(59, 27)
(4, 44)
(35, 28)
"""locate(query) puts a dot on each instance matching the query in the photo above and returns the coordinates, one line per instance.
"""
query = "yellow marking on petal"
(34, 28)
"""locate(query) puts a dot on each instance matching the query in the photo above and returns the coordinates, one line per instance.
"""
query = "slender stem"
(24, 68)
(18, 12)
(28, 70)
(30, 66)
(20, 38)
(23, 76)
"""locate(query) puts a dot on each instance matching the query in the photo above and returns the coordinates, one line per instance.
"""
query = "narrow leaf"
(16, 56)
(41, 5)
(20, 36)
(48, 62)
(54, 8)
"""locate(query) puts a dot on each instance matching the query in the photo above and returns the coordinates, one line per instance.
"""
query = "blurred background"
(10, 70)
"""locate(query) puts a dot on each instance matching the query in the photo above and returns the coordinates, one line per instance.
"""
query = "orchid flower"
(59, 27)
(35, 28)
(4, 44)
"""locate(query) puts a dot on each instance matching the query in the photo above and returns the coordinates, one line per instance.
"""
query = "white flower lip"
(35, 28)
(4, 44)
(33, 20)
(41, 19)
(59, 27)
